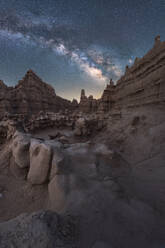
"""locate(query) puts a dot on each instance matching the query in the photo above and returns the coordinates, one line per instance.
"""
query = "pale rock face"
(59, 189)
(40, 158)
(103, 150)
(82, 160)
(58, 163)
(20, 149)
(80, 126)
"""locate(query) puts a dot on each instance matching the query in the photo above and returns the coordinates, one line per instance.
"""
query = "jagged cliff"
(30, 96)
(87, 104)
(143, 83)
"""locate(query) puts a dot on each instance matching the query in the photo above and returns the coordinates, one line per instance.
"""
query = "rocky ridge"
(142, 84)
(30, 96)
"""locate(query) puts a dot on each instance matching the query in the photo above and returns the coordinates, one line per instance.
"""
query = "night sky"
(75, 44)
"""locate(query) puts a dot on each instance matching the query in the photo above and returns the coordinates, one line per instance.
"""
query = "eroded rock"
(20, 149)
(40, 159)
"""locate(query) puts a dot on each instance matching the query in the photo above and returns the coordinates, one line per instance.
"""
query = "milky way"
(76, 44)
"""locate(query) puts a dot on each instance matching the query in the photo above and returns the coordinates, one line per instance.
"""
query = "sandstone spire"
(157, 40)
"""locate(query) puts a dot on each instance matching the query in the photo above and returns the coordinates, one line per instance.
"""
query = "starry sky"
(75, 44)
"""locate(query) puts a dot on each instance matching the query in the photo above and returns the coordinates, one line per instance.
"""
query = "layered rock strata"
(87, 104)
(30, 96)
(143, 83)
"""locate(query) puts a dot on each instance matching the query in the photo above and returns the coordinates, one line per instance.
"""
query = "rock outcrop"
(30, 96)
(20, 150)
(40, 158)
(87, 104)
(143, 83)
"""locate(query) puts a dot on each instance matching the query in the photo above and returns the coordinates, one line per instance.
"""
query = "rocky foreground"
(106, 184)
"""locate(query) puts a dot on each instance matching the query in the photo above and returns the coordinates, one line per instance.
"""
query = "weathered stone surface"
(30, 96)
(58, 190)
(7, 129)
(82, 161)
(58, 163)
(87, 104)
(80, 127)
(20, 149)
(142, 83)
(40, 159)
(41, 230)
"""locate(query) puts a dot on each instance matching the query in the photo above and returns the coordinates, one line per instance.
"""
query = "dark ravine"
(91, 176)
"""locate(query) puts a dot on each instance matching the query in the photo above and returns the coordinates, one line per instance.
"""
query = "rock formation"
(142, 84)
(87, 104)
(99, 165)
(30, 96)
(107, 99)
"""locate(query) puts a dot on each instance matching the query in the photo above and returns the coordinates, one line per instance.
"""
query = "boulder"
(80, 127)
(40, 159)
(20, 149)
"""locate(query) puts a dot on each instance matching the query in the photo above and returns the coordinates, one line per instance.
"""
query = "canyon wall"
(30, 96)
(143, 83)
